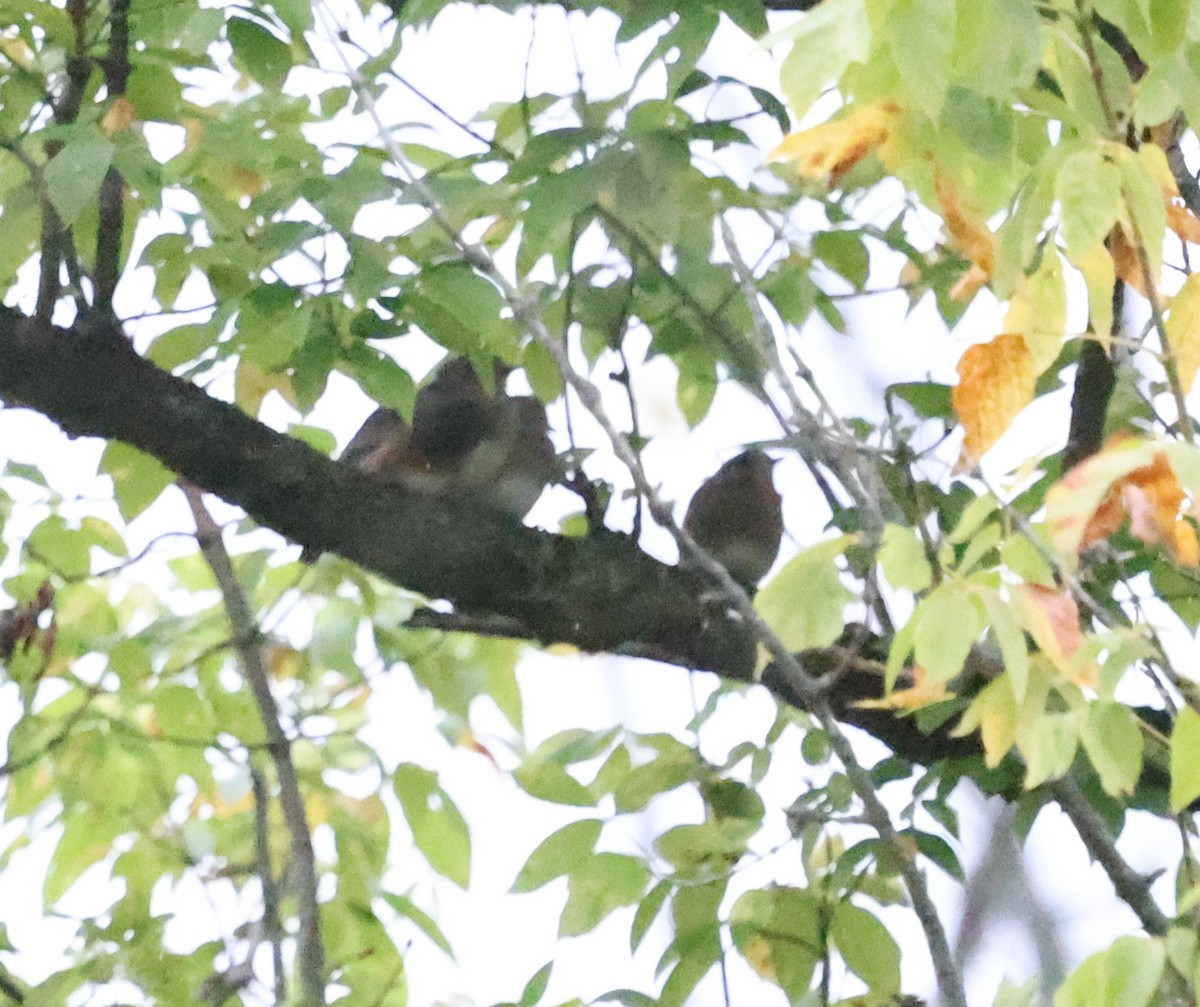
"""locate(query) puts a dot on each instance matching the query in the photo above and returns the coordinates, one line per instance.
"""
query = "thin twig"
(1160, 327)
(248, 642)
(272, 927)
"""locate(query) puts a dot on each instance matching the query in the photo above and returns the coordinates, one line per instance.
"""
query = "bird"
(465, 442)
(736, 516)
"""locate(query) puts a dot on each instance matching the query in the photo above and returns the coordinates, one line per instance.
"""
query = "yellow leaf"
(251, 384)
(1038, 310)
(18, 52)
(994, 713)
(826, 152)
(920, 693)
(995, 382)
(1183, 331)
(1100, 274)
(760, 956)
(1154, 158)
(119, 117)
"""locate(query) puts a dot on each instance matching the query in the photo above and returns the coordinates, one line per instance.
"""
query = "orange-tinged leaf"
(1129, 480)
(1126, 260)
(826, 152)
(969, 232)
(995, 382)
(1052, 619)
(468, 739)
(969, 284)
(119, 116)
(1155, 503)
(1183, 331)
(1184, 223)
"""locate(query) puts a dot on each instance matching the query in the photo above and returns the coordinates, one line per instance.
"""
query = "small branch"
(1160, 326)
(272, 927)
(310, 952)
(1089, 48)
(111, 208)
(1131, 887)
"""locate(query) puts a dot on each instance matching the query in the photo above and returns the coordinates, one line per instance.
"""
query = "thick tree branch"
(599, 593)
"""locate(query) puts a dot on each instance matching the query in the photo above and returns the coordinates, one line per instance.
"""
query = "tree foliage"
(211, 216)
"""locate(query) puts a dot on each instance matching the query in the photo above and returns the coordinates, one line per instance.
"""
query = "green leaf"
(1113, 742)
(549, 782)
(711, 847)
(647, 911)
(845, 253)
(948, 623)
(438, 827)
(1125, 975)
(1049, 744)
(825, 41)
(870, 952)
(1089, 191)
(266, 58)
(85, 840)
(928, 399)
(63, 549)
(920, 35)
(138, 478)
(1185, 759)
(428, 926)
(74, 174)
(601, 885)
(779, 933)
(335, 635)
(815, 576)
(903, 561)
(558, 854)
(536, 987)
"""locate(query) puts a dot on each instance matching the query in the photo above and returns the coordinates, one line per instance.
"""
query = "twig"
(111, 200)
(861, 482)
(1160, 326)
(272, 927)
(247, 641)
(1089, 48)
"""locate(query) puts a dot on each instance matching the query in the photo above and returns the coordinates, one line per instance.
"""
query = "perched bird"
(465, 442)
(383, 445)
(736, 516)
(528, 462)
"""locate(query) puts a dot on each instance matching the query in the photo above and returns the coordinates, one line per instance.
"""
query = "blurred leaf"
(438, 828)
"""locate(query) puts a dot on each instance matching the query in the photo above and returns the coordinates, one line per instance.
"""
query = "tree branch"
(311, 952)
(599, 593)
